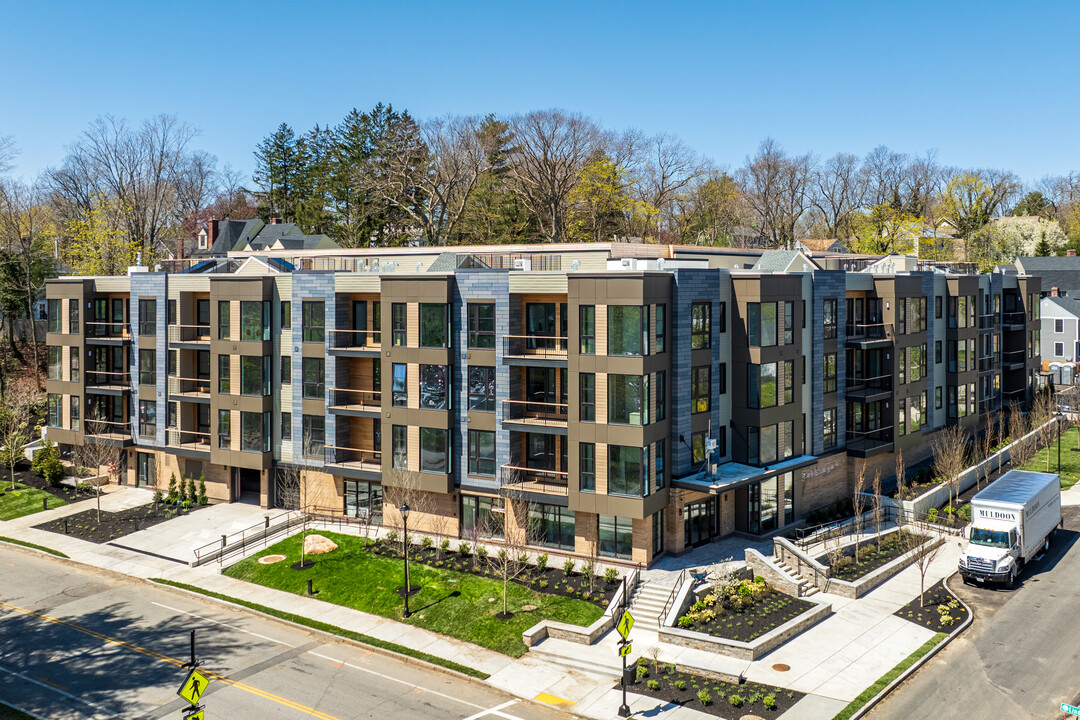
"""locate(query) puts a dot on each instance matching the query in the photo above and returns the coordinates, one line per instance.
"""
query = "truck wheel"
(1010, 581)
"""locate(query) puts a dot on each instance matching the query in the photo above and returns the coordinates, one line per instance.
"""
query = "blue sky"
(986, 84)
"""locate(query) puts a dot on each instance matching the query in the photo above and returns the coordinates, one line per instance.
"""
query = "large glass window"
(481, 325)
(830, 372)
(587, 329)
(255, 321)
(223, 320)
(55, 411)
(364, 499)
(761, 385)
(314, 377)
(251, 432)
(829, 427)
(587, 467)
(313, 317)
(434, 450)
(224, 429)
(554, 525)
(540, 327)
(73, 316)
(626, 471)
(700, 325)
(52, 309)
(628, 330)
(286, 427)
(147, 367)
(761, 324)
(144, 470)
(661, 459)
(399, 447)
(147, 418)
(314, 437)
(830, 317)
(481, 516)
(251, 375)
(286, 369)
(482, 388)
(587, 396)
(434, 387)
(399, 333)
(399, 386)
(700, 389)
(55, 363)
(434, 325)
(628, 399)
(147, 317)
(616, 536)
(481, 453)
(286, 315)
(73, 363)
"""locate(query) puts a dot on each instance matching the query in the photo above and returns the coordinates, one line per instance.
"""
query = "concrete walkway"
(832, 662)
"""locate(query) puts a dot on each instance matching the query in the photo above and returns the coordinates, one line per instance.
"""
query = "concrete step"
(593, 667)
(812, 590)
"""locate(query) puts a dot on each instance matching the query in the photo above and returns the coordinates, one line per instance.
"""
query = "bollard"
(136, 524)
(309, 590)
(223, 542)
(266, 524)
(44, 503)
(65, 526)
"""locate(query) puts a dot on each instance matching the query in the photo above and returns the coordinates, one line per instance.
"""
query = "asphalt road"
(1020, 657)
(79, 643)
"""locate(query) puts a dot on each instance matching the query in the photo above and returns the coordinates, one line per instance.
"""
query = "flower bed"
(872, 556)
(85, 526)
(570, 580)
(941, 611)
(742, 611)
(709, 695)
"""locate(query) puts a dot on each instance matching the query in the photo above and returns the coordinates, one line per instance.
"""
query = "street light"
(405, 532)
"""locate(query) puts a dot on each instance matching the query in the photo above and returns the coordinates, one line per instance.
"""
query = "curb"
(924, 659)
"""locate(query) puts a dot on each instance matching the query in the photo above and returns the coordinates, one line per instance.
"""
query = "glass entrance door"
(699, 522)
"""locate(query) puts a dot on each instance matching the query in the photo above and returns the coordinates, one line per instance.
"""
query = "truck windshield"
(993, 538)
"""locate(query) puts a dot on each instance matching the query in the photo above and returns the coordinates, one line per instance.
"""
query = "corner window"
(481, 325)
(761, 324)
(52, 309)
(224, 429)
(661, 459)
(434, 325)
(55, 363)
(661, 395)
(761, 385)
(314, 321)
(251, 375)
(626, 471)
(830, 318)
(481, 516)
(255, 321)
(661, 328)
(628, 399)
(73, 363)
(700, 325)
(147, 418)
(434, 450)
(399, 385)
(73, 316)
(628, 330)
(615, 536)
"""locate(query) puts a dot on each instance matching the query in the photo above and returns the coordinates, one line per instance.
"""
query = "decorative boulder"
(318, 545)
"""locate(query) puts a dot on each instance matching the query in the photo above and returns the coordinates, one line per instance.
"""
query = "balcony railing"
(533, 480)
(534, 346)
(986, 364)
(113, 330)
(870, 331)
(869, 440)
(356, 339)
(880, 382)
(363, 400)
(1014, 357)
(356, 458)
(198, 387)
(189, 333)
(108, 429)
(187, 439)
(1017, 317)
(986, 322)
(108, 378)
(535, 413)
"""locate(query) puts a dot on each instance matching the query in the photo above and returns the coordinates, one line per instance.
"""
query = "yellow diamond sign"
(197, 715)
(624, 650)
(625, 624)
(194, 686)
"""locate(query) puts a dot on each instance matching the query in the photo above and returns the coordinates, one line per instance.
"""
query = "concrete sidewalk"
(832, 662)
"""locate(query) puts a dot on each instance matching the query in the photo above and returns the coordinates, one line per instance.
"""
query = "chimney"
(1054, 291)
(277, 221)
(211, 232)
(1070, 253)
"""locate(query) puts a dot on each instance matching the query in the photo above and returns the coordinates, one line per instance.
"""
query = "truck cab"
(991, 553)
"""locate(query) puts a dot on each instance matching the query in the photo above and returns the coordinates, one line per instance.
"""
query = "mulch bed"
(930, 616)
(765, 615)
(550, 580)
(870, 557)
(28, 478)
(750, 698)
(84, 525)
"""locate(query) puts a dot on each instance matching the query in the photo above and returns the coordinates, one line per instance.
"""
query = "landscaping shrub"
(642, 672)
(611, 575)
(769, 702)
(736, 700)
(464, 549)
(426, 543)
(52, 470)
(202, 490)
(680, 684)
(653, 684)
(704, 697)
(42, 455)
(568, 567)
(391, 537)
(541, 562)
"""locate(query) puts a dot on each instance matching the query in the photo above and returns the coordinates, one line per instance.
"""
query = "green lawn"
(23, 501)
(1070, 459)
(452, 603)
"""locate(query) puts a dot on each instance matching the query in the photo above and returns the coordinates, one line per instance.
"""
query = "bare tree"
(670, 166)
(1021, 448)
(1043, 413)
(777, 188)
(986, 446)
(857, 504)
(901, 486)
(950, 450)
(877, 507)
(839, 186)
(403, 487)
(924, 549)
(15, 430)
(99, 455)
(511, 560)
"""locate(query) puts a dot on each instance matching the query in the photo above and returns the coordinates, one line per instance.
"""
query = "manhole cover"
(781, 667)
(271, 559)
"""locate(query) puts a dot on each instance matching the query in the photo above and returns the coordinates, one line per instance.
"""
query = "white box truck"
(1011, 520)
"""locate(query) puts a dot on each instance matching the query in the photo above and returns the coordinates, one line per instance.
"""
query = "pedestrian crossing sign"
(626, 623)
(199, 714)
(624, 650)
(194, 687)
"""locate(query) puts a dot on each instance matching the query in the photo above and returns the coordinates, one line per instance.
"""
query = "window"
(224, 372)
(172, 363)
(697, 448)
(398, 324)
(701, 325)
(661, 327)
(482, 388)
(148, 317)
(628, 330)
(628, 399)
(481, 325)
(314, 377)
(251, 375)
(481, 516)
(52, 309)
(286, 315)
(554, 525)
(73, 363)
(399, 447)
(762, 445)
(721, 317)
(434, 325)
(55, 363)
(789, 323)
(901, 316)
(172, 413)
(721, 378)
(901, 366)
(376, 326)
(587, 467)
(286, 427)
(399, 388)
(434, 387)
(224, 332)
(661, 395)
(54, 411)
(917, 363)
(761, 324)
(587, 329)
(364, 499)
(587, 396)
(937, 352)
(830, 372)
(481, 453)
(147, 418)
(1059, 349)
(700, 389)
(73, 316)
(615, 536)
(147, 367)
(434, 451)
(828, 425)
(313, 319)
(314, 435)
(74, 406)
(255, 321)
(789, 382)
(937, 307)
(661, 459)
(937, 398)
(170, 308)
(224, 429)
(286, 369)
(761, 385)
(830, 318)
(626, 471)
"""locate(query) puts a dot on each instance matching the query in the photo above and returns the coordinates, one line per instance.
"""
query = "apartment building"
(614, 399)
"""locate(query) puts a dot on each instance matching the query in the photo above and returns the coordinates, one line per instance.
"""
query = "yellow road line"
(173, 661)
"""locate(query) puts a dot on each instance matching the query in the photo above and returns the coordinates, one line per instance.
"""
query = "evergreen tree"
(279, 168)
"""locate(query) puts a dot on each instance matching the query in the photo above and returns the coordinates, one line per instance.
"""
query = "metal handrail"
(670, 599)
(174, 437)
(337, 395)
(92, 377)
(202, 385)
(104, 329)
(870, 331)
(542, 413)
(243, 539)
(330, 456)
(367, 339)
(855, 381)
(541, 346)
(524, 479)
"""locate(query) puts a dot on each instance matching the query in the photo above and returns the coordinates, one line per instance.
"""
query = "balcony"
(517, 479)
(355, 402)
(534, 347)
(108, 382)
(1015, 320)
(986, 322)
(986, 364)
(199, 334)
(869, 389)
(535, 414)
(358, 342)
(356, 459)
(107, 333)
(197, 389)
(1013, 360)
(188, 440)
(869, 335)
(108, 432)
(868, 444)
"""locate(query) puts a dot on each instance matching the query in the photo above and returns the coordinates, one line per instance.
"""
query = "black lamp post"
(405, 533)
